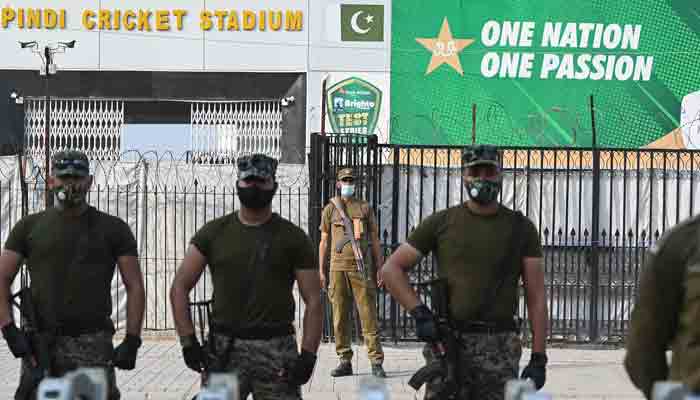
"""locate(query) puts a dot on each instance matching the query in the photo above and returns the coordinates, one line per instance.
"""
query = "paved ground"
(160, 374)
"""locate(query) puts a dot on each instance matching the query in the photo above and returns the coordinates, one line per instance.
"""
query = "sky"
(156, 137)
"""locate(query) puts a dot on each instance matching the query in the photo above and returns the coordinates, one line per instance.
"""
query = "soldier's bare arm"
(533, 280)
(135, 293)
(186, 277)
(322, 248)
(9, 266)
(395, 277)
(309, 287)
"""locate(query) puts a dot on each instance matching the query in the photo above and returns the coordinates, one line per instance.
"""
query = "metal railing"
(165, 200)
(597, 211)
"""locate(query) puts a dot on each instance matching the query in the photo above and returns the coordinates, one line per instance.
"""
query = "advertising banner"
(354, 106)
(531, 66)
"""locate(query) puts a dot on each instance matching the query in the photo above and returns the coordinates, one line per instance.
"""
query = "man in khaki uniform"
(667, 312)
(346, 279)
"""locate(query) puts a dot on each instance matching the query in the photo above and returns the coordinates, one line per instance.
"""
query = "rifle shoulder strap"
(502, 273)
(258, 263)
(348, 227)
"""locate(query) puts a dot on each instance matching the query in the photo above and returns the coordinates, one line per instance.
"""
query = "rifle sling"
(349, 230)
(489, 297)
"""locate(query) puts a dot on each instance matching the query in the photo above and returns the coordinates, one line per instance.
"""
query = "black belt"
(78, 328)
(256, 333)
(486, 327)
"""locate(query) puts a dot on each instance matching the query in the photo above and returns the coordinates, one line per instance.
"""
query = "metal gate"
(93, 126)
(222, 131)
(597, 211)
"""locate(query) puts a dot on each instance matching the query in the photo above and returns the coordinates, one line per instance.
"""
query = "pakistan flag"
(530, 66)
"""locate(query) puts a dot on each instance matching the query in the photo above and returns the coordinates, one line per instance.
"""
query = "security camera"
(16, 96)
(26, 45)
(287, 101)
(69, 45)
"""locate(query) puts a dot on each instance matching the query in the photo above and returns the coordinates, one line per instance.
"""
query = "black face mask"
(72, 194)
(483, 191)
(255, 198)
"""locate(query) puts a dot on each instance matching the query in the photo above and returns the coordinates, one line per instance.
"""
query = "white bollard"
(524, 389)
(536, 396)
(516, 388)
(373, 389)
(83, 383)
(666, 390)
(220, 387)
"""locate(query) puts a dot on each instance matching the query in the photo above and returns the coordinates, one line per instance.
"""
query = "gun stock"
(426, 374)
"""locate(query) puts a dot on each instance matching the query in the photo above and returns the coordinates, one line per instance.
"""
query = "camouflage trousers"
(486, 363)
(93, 350)
(257, 365)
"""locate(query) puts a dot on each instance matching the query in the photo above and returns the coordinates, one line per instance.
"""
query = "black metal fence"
(597, 211)
(164, 200)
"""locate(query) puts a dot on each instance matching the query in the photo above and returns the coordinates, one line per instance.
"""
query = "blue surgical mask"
(347, 190)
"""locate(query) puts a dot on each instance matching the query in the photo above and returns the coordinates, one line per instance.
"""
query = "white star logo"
(369, 18)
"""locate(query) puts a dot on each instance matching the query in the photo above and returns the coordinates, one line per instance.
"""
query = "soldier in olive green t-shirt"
(255, 256)
(71, 251)
(667, 313)
(470, 242)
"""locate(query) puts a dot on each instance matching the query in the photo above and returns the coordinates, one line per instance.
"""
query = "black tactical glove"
(536, 370)
(425, 323)
(303, 368)
(16, 340)
(192, 352)
(125, 353)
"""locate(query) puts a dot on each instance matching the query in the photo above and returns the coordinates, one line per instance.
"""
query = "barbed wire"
(163, 168)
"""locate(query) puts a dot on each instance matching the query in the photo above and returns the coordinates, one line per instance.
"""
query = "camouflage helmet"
(257, 165)
(481, 154)
(70, 162)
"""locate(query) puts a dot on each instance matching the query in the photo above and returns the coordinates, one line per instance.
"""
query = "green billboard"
(530, 66)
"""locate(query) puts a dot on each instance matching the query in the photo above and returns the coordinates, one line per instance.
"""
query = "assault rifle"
(442, 371)
(39, 358)
(349, 236)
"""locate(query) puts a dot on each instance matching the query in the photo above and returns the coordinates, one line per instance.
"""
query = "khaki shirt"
(364, 225)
